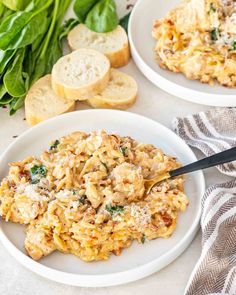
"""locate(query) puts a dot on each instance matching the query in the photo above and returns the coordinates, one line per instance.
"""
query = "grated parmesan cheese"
(36, 192)
(64, 194)
(142, 215)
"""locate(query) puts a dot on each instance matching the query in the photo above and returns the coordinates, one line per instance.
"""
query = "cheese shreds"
(142, 215)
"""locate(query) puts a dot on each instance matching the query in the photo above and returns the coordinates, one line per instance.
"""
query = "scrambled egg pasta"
(198, 38)
(85, 196)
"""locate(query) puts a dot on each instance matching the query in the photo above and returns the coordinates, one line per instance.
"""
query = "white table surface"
(155, 104)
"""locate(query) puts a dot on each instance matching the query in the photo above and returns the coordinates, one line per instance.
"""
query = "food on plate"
(42, 103)
(114, 44)
(120, 93)
(85, 196)
(98, 15)
(81, 74)
(198, 39)
(30, 43)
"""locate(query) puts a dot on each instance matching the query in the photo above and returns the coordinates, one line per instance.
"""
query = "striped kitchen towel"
(215, 272)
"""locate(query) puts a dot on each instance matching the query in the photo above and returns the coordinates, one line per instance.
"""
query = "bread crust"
(34, 115)
(118, 58)
(80, 93)
(106, 101)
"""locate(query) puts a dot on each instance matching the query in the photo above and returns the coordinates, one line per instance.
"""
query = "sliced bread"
(42, 103)
(114, 44)
(80, 74)
(120, 93)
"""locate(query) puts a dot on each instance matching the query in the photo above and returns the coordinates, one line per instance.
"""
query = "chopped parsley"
(214, 34)
(114, 210)
(123, 150)
(37, 172)
(83, 199)
(54, 145)
(143, 239)
(105, 165)
(212, 8)
(234, 45)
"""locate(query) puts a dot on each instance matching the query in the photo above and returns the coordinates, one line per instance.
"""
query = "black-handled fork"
(214, 160)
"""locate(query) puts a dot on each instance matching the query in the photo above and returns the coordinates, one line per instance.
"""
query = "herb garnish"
(37, 172)
(212, 8)
(215, 34)
(143, 239)
(234, 45)
(114, 209)
(83, 200)
(123, 150)
(54, 145)
(105, 165)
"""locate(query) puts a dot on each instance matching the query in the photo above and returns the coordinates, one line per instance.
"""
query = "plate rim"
(198, 97)
(112, 279)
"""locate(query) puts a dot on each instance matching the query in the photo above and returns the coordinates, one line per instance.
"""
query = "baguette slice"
(80, 74)
(114, 44)
(42, 103)
(121, 92)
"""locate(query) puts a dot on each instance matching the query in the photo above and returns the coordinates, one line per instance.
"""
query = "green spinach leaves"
(98, 15)
(37, 172)
(31, 32)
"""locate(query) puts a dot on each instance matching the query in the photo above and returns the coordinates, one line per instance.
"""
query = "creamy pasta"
(198, 38)
(85, 196)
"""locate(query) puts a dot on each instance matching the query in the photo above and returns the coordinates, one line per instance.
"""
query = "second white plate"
(135, 262)
(142, 47)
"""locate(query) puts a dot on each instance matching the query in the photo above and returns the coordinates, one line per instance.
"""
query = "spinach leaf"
(54, 145)
(26, 78)
(37, 172)
(45, 26)
(234, 45)
(67, 27)
(5, 58)
(114, 210)
(18, 23)
(5, 13)
(124, 21)
(2, 10)
(15, 104)
(16, 4)
(102, 17)
(29, 33)
(143, 239)
(6, 99)
(3, 91)
(212, 8)
(37, 32)
(13, 79)
(215, 34)
(83, 200)
(51, 49)
(123, 150)
(82, 8)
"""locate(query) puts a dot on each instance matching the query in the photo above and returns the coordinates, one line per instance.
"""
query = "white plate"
(142, 47)
(135, 262)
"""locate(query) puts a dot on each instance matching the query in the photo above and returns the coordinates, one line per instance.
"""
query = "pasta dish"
(85, 196)
(198, 39)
